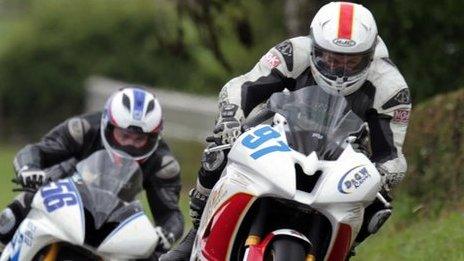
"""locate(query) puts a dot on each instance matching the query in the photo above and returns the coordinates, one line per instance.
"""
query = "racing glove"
(32, 178)
(390, 179)
(228, 127)
(165, 239)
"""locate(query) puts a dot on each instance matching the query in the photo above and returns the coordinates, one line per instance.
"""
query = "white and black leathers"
(383, 101)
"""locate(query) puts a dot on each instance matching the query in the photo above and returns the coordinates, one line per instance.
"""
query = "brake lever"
(31, 190)
(218, 148)
(16, 181)
(383, 200)
(22, 189)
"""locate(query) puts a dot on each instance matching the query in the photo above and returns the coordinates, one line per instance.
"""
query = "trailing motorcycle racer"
(130, 125)
(343, 54)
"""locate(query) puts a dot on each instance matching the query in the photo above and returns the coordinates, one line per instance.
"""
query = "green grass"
(439, 239)
(189, 156)
(6, 174)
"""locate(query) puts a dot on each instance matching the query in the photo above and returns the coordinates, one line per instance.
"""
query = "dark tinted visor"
(333, 65)
(131, 136)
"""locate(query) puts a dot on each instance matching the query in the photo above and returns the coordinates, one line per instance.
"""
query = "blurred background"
(53, 54)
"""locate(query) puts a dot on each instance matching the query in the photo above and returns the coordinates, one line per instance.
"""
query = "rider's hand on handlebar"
(31, 178)
(389, 179)
(166, 239)
(227, 131)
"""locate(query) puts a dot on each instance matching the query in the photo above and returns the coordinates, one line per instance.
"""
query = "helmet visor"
(132, 140)
(335, 65)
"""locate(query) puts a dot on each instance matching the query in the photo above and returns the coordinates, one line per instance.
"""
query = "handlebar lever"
(217, 148)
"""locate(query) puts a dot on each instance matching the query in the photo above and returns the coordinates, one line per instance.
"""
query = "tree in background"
(424, 39)
(50, 47)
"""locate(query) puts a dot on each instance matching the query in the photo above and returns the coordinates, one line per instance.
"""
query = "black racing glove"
(166, 240)
(32, 178)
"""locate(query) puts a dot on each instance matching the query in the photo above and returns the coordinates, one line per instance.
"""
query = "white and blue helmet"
(135, 110)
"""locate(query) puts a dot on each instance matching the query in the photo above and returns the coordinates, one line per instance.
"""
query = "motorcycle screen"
(317, 121)
(109, 183)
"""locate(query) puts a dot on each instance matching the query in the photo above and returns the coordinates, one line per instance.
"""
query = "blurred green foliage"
(425, 40)
(435, 152)
(48, 54)
(435, 239)
(53, 46)
(49, 47)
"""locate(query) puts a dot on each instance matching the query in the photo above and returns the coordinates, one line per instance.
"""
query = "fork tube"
(258, 224)
(52, 252)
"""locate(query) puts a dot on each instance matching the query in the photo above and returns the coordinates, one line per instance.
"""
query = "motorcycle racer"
(129, 126)
(343, 54)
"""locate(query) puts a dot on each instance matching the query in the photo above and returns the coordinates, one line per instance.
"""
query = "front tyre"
(65, 251)
(284, 249)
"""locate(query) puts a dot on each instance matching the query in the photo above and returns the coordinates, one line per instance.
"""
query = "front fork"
(258, 225)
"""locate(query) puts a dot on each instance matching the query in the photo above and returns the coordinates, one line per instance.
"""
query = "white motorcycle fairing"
(51, 218)
(260, 164)
(57, 215)
(133, 238)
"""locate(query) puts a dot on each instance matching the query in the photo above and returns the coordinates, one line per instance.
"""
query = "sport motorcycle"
(92, 215)
(293, 189)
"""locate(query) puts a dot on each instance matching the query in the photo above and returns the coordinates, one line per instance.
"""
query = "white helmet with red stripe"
(344, 36)
(131, 124)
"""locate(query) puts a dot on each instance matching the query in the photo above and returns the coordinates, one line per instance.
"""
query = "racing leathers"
(383, 101)
(76, 139)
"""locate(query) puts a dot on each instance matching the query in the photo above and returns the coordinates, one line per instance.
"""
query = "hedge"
(434, 149)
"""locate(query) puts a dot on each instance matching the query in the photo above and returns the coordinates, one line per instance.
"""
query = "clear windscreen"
(110, 184)
(317, 121)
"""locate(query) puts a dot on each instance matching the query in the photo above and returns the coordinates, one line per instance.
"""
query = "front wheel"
(284, 249)
(65, 251)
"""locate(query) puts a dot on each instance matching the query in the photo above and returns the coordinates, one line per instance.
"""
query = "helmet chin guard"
(339, 85)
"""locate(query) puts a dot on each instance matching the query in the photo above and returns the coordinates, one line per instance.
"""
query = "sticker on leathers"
(401, 116)
(271, 60)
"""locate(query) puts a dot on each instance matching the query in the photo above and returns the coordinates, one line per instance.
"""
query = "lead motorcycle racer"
(343, 54)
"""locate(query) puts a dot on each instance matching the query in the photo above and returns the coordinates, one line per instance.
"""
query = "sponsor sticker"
(286, 49)
(402, 97)
(401, 116)
(29, 234)
(344, 42)
(271, 60)
(353, 179)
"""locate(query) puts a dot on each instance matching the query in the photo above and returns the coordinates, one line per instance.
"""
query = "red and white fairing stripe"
(218, 238)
